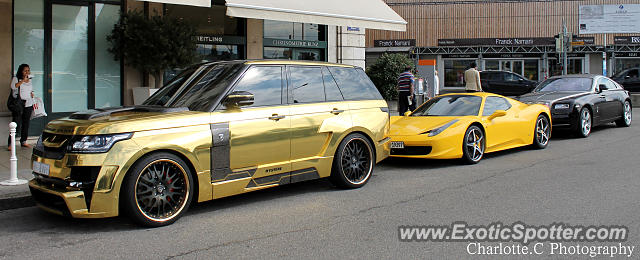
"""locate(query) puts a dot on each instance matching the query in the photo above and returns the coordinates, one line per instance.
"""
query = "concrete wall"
(350, 46)
(255, 32)
(332, 46)
(5, 53)
(595, 63)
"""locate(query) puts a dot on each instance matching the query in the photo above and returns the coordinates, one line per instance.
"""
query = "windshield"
(565, 84)
(455, 105)
(200, 93)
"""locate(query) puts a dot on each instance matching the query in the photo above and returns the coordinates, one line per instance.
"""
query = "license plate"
(41, 168)
(397, 145)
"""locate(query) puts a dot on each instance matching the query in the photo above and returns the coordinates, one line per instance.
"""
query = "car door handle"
(336, 111)
(276, 117)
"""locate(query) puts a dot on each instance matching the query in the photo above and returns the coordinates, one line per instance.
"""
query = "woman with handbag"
(22, 93)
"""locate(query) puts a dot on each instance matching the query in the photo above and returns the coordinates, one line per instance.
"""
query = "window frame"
(289, 79)
(220, 106)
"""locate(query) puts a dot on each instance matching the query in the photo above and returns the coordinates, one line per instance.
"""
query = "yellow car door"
(258, 152)
(499, 128)
(316, 107)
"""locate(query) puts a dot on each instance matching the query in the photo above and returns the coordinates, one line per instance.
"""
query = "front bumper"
(443, 146)
(564, 119)
(81, 185)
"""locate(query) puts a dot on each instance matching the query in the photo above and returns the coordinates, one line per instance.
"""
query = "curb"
(16, 202)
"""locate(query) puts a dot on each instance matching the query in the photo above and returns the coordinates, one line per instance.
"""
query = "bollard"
(13, 180)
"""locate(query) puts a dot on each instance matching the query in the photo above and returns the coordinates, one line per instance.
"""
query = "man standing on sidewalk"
(472, 79)
(405, 91)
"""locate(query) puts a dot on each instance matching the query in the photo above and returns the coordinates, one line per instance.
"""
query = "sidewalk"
(16, 196)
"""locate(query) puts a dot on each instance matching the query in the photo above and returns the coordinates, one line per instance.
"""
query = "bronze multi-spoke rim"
(162, 190)
(357, 161)
(475, 144)
(543, 131)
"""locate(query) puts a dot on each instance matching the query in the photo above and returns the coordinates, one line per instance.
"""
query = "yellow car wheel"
(353, 162)
(473, 145)
(542, 132)
(158, 190)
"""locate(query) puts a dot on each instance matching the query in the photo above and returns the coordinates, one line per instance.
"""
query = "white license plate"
(41, 168)
(397, 145)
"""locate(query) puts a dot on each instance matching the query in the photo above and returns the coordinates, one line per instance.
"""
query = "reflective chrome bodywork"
(230, 151)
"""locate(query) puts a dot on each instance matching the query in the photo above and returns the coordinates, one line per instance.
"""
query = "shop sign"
(569, 55)
(626, 54)
(626, 39)
(294, 43)
(511, 55)
(461, 56)
(353, 29)
(395, 43)
(497, 41)
(219, 39)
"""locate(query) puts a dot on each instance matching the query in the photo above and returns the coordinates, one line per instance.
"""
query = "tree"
(384, 73)
(153, 45)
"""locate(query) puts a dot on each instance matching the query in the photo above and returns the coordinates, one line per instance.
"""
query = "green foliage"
(384, 73)
(153, 45)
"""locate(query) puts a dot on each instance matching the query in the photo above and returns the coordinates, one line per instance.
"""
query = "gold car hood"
(124, 122)
(415, 125)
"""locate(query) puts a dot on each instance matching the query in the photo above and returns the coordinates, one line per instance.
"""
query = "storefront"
(64, 41)
(67, 40)
(625, 55)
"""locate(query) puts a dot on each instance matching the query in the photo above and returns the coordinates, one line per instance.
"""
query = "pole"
(565, 47)
(604, 57)
(13, 179)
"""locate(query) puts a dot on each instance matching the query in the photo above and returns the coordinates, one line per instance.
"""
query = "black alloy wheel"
(353, 162)
(158, 190)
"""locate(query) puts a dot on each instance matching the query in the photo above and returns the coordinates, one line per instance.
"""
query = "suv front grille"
(55, 153)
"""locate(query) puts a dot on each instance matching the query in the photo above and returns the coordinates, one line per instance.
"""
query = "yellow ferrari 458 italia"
(468, 125)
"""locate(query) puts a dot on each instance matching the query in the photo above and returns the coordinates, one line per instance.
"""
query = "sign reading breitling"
(202, 3)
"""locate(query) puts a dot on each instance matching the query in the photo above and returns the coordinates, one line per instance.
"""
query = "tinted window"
(454, 105)
(265, 83)
(610, 84)
(565, 84)
(201, 95)
(354, 84)
(305, 84)
(330, 87)
(495, 103)
(162, 96)
(633, 73)
(511, 77)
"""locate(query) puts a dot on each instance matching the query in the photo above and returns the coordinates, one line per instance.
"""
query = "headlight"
(561, 106)
(95, 143)
(436, 131)
(546, 103)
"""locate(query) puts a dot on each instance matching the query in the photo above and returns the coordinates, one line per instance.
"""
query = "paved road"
(590, 181)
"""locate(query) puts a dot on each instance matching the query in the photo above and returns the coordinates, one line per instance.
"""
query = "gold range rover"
(215, 130)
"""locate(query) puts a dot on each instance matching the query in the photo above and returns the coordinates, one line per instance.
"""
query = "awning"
(203, 3)
(372, 14)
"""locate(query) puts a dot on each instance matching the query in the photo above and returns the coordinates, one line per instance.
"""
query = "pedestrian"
(472, 79)
(22, 88)
(436, 84)
(405, 91)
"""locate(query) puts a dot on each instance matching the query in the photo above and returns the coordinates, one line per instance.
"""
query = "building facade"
(514, 36)
(64, 42)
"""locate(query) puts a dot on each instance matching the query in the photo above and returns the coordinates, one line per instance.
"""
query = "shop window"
(294, 31)
(531, 69)
(208, 21)
(454, 72)
(211, 52)
(622, 64)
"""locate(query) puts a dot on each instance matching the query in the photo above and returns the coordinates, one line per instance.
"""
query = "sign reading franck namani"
(395, 43)
(294, 43)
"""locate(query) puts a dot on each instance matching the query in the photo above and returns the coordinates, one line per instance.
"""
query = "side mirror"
(520, 79)
(238, 99)
(407, 113)
(497, 113)
(602, 87)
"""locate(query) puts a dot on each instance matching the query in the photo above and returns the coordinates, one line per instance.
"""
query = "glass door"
(515, 66)
(69, 58)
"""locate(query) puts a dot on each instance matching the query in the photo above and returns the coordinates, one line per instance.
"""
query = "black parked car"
(629, 79)
(505, 83)
(582, 101)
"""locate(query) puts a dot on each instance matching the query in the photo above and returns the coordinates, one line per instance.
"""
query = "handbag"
(38, 108)
(15, 104)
